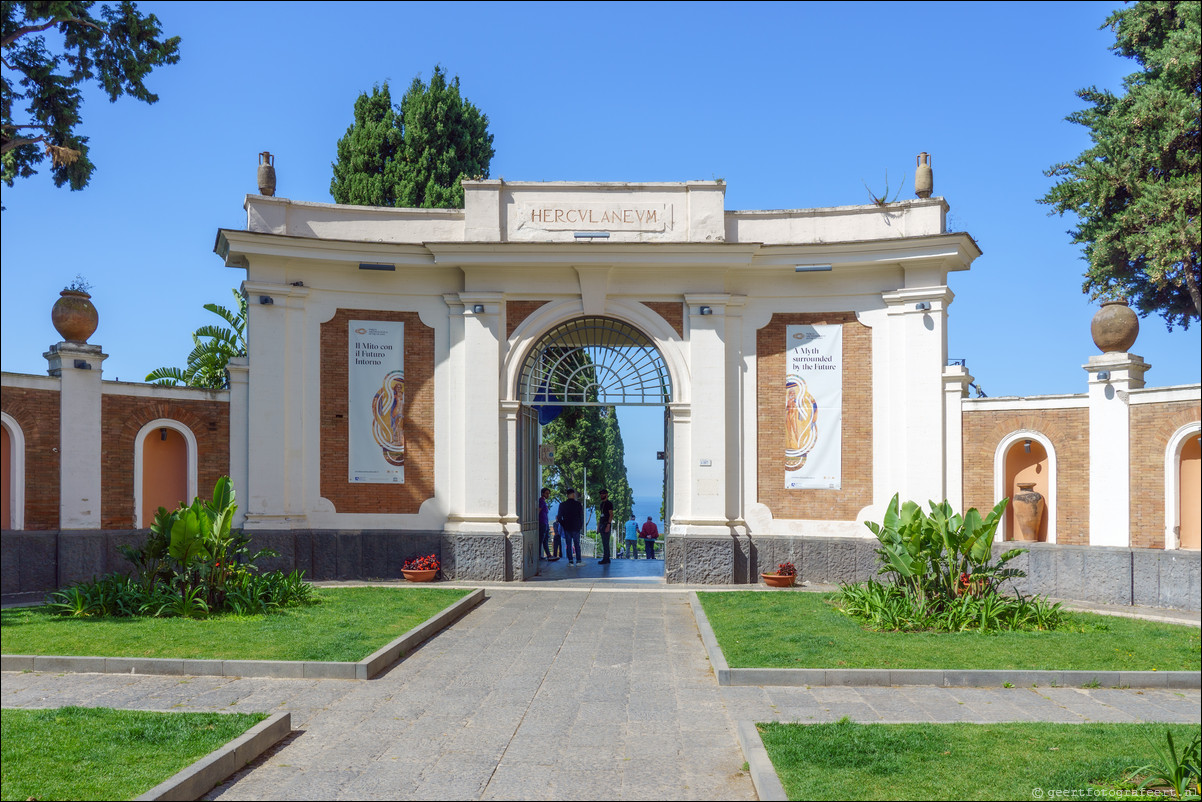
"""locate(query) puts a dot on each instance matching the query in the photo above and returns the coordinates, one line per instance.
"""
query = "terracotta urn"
(779, 580)
(1114, 327)
(1028, 512)
(423, 575)
(924, 179)
(74, 316)
(266, 174)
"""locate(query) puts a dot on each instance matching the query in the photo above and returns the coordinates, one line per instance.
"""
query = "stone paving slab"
(569, 695)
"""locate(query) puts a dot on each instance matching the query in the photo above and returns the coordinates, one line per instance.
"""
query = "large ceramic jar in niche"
(1114, 327)
(74, 316)
(1028, 512)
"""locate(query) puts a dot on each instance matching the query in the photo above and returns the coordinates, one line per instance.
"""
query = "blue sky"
(794, 105)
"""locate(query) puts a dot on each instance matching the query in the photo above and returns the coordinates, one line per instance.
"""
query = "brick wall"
(1067, 429)
(1151, 427)
(856, 490)
(419, 418)
(518, 311)
(670, 311)
(122, 416)
(37, 413)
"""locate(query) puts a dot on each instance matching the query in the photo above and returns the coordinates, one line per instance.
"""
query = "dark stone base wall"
(37, 562)
(1141, 577)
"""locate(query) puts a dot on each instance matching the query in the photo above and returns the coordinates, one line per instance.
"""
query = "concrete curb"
(763, 774)
(214, 768)
(366, 668)
(943, 678)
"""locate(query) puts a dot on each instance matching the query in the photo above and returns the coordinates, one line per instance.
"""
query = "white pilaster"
(239, 443)
(78, 368)
(276, 456)
(956, 380)
(705, 474)
(917, 349)
(483, 435)
(1111, 377)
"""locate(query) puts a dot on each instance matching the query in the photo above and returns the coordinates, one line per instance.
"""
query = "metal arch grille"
(595, 361)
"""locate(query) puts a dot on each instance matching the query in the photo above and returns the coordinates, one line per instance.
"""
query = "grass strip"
(100, 753)
(958, 761)
(346, 625)
(791, 629)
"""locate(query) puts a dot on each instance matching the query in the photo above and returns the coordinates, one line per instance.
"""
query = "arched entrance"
(586, 362)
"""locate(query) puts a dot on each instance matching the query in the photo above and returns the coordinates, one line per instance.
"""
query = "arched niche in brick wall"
(1026, 456)
(12, 464)
(1182, 478)
(165, 456)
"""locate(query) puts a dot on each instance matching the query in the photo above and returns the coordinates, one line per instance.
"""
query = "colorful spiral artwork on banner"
(813, 384)
(376, 402)
(388, 408)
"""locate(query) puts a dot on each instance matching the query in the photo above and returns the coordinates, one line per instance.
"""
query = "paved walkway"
(566, 693)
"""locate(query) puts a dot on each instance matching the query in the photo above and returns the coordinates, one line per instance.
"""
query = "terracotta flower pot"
(779, 580)
(74, 316)
(423, 575)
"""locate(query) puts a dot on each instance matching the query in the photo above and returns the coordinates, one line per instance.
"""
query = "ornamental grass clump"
(944, 577)
(192, 564)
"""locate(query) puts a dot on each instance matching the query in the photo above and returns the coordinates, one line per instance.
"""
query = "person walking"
(544, 525)
(650, 532)
(631, 546)
(570, 515)
(605, 524)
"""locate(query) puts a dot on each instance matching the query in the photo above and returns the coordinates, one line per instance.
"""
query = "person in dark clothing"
(605, 525)
(544, 525)
(571, 516)
(649, 533)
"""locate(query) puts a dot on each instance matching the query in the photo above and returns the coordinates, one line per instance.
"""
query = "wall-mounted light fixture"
(478, 309)
(1027, 446)
(923, 306)
(812, 269)
(266, 300)
(705, 310)
(591, 235)
(163, 433)
(1103, 375)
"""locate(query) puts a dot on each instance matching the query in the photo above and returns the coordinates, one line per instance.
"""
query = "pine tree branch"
(19, 32)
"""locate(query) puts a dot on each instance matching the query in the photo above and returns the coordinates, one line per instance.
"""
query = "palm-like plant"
(214, 347)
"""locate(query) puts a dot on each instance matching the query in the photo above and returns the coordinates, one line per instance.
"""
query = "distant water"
(648, 505)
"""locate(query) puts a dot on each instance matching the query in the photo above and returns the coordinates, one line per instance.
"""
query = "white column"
(956, 379)
(483, 436)
(456, 400)
(78, 368)
(239, 443)
(705, 474)
(1111, 377)
(917, 337)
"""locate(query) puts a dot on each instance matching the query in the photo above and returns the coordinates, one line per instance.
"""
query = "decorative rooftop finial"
(266, 174)
(924, 180)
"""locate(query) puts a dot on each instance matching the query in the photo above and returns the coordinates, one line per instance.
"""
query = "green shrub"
(192, 564)
(943, 575)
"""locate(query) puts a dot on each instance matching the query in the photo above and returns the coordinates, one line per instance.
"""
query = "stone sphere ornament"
(1114, 327)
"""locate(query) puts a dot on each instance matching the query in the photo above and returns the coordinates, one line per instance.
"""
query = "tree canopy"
(41, 97)
(214, 346)
(415, 154)
(588, 440)
(1137, 191)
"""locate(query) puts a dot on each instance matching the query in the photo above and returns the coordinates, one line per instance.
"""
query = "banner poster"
(376, 417)
(813, 407)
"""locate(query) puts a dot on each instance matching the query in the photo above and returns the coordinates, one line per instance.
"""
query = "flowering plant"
(786, 569)
(427, 563)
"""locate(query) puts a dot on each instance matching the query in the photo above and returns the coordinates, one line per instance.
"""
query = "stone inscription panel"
(595, 216)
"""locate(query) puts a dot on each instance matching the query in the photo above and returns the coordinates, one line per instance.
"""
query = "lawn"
(346, 625)
(793, 629)
(98, 753)
(958, 761)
